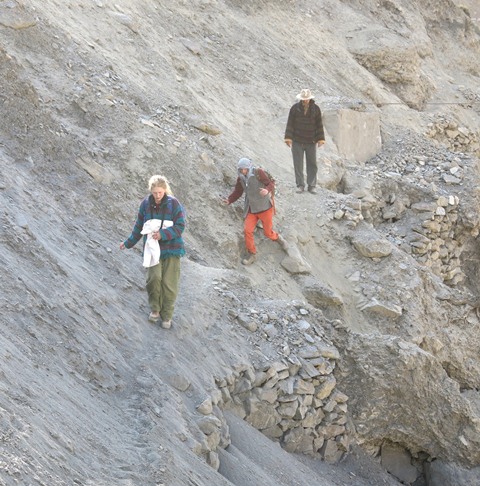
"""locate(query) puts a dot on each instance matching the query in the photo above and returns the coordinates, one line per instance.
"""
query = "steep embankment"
(352, 337)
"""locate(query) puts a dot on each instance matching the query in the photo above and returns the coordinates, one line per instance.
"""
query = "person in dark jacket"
(258, 189)
(163, 278)
(303, 134)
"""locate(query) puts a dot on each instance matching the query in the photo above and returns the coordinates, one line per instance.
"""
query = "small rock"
(206, 407)
(247, 322)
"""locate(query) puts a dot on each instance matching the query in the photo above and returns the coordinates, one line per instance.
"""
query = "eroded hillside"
(356, 350)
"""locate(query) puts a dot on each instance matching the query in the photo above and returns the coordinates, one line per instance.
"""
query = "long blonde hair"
(159, 181)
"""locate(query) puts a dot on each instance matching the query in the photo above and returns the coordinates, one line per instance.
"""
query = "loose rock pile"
(457, 138)
(413, 201)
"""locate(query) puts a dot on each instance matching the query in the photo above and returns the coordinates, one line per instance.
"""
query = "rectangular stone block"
(355, 133)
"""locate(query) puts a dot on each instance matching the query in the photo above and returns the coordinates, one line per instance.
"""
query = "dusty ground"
(98, 95)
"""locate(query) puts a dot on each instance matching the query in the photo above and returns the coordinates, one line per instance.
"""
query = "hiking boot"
(249, 259)
(312, 190)
(154, 316)
(167, 324)
(300, 189)
(282, 242)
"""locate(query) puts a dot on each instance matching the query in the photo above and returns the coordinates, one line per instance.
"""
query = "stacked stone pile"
(435, 236)
(213, 425)
(294, 401)
(438, 240)
(415, 186)
(291, 395)
(456, 137)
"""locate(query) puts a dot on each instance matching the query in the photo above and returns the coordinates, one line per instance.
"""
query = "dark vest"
(254, 202)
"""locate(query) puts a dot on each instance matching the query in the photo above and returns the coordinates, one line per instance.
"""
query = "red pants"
(266, 217)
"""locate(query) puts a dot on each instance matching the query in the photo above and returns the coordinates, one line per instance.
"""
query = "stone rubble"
(456, 137)
(413, 202)
(293, 400)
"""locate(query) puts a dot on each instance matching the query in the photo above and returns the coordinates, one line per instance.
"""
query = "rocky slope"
(356, 351)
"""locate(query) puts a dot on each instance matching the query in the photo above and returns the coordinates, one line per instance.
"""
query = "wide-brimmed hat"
(244, 163)
(305, 94)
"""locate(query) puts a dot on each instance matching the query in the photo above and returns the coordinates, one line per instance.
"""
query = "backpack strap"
(272, 193)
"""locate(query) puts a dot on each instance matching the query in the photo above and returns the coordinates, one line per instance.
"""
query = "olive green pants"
(162, 286)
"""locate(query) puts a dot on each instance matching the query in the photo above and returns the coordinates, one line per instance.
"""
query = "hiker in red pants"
(258, 189)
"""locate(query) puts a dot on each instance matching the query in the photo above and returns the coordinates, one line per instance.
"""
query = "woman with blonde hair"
(161, 222)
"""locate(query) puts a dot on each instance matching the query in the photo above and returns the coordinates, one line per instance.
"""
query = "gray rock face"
(398, 462)
(98, 96)
(356, 135)
(420, 395)
(438, 473)
(396, 61)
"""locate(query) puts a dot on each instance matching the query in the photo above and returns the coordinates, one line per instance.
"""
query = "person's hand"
(288, 142)
(263, 192)
(122, 246)
(156, 235)
(320, 143)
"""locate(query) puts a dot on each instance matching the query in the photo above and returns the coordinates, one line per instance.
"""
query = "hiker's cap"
(304, 95)
(244, 163)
